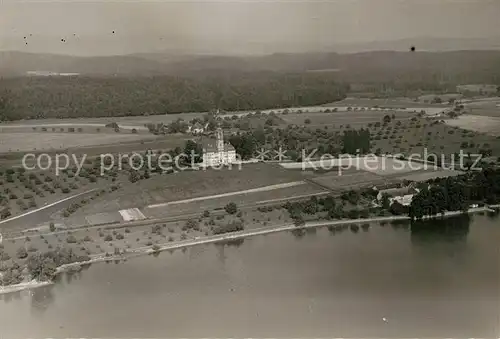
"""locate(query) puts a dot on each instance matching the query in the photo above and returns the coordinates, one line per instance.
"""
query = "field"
(428, 98)
(351, 180)
(484, 103)
(478, 123)
(191, 184)
(427, 175)
(418, 136)
(19, 142)
(244, 201)
(22, 191)
(341, 119)
(398, 103)
(93, 123)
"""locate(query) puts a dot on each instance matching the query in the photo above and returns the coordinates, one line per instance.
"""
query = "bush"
(21, 253)
(191, 224)
(231, 227)
(119, 236)
(108, 238)
(231, 208)
(71, 239)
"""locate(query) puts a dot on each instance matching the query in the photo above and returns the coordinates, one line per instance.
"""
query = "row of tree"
(356, 141)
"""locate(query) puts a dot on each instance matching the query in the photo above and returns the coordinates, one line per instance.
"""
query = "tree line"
(60, 97)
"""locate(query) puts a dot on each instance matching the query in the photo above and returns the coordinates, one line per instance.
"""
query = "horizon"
(356, 48)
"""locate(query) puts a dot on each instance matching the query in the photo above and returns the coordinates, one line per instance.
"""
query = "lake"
(440, 279)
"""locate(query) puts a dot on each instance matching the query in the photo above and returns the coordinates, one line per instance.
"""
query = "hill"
(455, 66)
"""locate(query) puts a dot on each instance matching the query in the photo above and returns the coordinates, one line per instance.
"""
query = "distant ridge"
(373, 62)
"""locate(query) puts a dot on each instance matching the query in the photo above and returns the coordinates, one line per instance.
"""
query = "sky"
(233, 27)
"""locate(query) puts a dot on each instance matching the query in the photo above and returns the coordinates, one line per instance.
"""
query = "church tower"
(220, 140)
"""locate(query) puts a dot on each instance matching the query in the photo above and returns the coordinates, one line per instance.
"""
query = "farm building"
(197, 128)
(216, 153)
(402, 195)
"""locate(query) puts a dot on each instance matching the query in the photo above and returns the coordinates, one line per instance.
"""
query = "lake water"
(426, 282)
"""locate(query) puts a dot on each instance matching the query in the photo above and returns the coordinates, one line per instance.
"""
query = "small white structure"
(216, 153)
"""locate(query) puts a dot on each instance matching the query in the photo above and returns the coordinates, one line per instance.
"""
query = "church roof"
(197, 125)
(210, 145)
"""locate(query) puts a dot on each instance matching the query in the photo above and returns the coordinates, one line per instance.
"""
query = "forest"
(71, 97)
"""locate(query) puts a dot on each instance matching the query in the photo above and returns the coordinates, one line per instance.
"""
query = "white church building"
(216, 152)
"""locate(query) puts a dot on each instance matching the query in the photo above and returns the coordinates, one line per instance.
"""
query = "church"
(217, 153)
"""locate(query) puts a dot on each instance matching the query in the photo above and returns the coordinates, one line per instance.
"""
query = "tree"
(52, 227)
(307, 121)
(133, 176)
(6, 110)
(231, 208)
(386, 203)
(387, 119)
(193, 152)
(437, 100)
(21, 253)
(398, 209)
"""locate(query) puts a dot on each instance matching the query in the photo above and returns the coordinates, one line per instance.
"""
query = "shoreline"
(147, 250)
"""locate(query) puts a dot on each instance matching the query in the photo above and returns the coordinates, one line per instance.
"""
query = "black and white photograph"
(249, 169)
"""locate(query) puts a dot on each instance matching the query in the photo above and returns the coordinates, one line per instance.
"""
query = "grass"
(347, 181)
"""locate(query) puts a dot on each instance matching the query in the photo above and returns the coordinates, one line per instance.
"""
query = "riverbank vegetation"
(456, 193)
